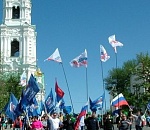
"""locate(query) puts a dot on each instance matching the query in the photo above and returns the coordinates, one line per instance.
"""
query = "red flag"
(59, 92)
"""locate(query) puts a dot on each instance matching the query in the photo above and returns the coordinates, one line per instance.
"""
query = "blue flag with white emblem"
(11, 107)
(49, 102)
(30, 92)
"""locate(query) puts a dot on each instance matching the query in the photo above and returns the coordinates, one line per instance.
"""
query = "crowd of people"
(92, 121)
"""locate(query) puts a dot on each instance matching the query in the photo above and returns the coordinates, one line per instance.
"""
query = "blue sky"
(75, 25)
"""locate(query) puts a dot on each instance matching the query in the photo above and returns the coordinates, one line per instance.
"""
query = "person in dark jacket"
(68, 123)
(108, 123)
(92, 122)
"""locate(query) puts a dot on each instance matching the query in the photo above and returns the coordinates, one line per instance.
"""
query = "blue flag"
(62, 104)
(33, 109)
(148, 106)
(67, 109)
(10, 110)
(30, 92)
(97, 104)
(41, 106)
(49, 102)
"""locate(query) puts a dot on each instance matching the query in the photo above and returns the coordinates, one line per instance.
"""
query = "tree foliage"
(9, 83)
(119, 80)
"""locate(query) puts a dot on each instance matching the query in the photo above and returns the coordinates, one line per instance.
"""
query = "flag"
(23, 79)
(59, 92)
(20, 107)
(30, 92)
(97, 104)
(81, 60)
(67, 109)
(55, 57)
(33, 108)
(116, 112)
(119, 101)
(49, 102)
(148, 106)
(80, 116)
(60, 104)
(104, 55)
(114, 43)
(41, 106)
(11, 107)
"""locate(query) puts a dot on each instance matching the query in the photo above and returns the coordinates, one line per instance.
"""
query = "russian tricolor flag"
(119, 101)
(81, 116)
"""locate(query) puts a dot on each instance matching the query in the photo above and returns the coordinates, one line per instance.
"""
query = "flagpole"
(103, 84)
(87, 85)
(117, 74)
(67, 86)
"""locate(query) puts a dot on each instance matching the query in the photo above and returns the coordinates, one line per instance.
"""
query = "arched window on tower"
(15, 48)
(15, 12)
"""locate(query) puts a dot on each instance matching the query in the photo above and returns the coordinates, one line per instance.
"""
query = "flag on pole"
(59, 92)
(79, 61)
(23, 79)
(80, 116)
(104, 55)
(67, 109)
(97, 104)
(114, 43)
(33, 108)
(119, 101)
(30, 92)
(49, 102)
(11, 107)
(54, 57)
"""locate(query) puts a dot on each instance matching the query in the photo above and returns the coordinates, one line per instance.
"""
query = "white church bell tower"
(18, 41)
(17, 37)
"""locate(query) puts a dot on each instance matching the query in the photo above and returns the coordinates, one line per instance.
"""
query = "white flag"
(113, 42)
(23, 79)
(103, 53)
(81, 60)
(55, 56)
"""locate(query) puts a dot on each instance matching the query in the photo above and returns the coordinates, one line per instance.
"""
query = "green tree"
(118, 80)
(9, 83)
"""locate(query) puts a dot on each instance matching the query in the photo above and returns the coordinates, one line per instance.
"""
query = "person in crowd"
(17, 125)
(124, 123)
(148, 119)
(99, 120)
(68, 123)
(119, 117)
(92, 122)
(61, 117)
(44, 122)
(36, 124)
(130, 117)
(56, 123)
(3, 122)
(49, 122)
(108, 123)
(138, 120)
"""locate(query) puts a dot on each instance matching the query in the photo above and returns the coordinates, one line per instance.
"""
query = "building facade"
(18, 38)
